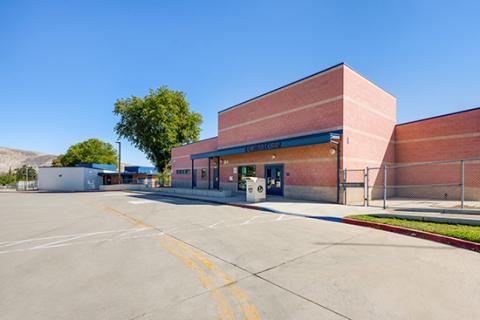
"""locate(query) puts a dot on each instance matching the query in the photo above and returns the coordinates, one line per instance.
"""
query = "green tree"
(7, 179)
(157, 123)
(25, 173)
(57, 162)
(89, 151)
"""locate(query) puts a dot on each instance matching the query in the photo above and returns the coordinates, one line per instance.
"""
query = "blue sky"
(63, 64)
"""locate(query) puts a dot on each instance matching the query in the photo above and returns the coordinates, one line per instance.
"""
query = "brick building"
(302, 135)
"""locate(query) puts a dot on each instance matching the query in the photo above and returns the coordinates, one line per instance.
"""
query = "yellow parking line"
(248, 309)
(223, 307)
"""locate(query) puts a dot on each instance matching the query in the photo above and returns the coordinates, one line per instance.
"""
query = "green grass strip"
(464, 232)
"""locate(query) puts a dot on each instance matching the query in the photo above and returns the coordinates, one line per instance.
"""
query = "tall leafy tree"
(157, 123)
(25, 173)
(89, 151)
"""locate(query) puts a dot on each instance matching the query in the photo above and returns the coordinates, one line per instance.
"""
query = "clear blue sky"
(64, 63)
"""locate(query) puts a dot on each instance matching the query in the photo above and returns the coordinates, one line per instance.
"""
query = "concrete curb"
(417, 233)
(437, 210)
(463, 221)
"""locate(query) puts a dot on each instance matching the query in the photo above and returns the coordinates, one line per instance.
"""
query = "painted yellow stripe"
(224, 309)
(248, 309)
(242, 299)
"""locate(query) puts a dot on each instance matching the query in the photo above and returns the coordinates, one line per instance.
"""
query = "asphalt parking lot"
(117, 255)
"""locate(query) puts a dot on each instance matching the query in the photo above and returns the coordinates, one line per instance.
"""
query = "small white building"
(69, 178)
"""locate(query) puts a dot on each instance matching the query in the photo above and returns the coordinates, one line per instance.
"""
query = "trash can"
(255, 189)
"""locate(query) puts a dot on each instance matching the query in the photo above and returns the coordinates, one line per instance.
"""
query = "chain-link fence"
(441, 184)
(27, 185)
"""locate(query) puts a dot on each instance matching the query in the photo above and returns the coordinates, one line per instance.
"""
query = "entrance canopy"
(318, 138)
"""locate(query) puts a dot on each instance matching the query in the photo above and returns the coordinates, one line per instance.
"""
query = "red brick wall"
(311, 105)
(449, 137)
(368, 123)
(338, 98)
(181, 160)
(311, 167)
(368, 131)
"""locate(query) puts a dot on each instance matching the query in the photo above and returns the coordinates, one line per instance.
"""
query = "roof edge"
(201, 140)
(439, 116)
(373, 83)
(285, 86)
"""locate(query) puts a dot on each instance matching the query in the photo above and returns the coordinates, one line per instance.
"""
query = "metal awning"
(125, 174)
(318, 138)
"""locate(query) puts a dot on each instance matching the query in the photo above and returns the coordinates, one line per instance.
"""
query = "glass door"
(274, 179)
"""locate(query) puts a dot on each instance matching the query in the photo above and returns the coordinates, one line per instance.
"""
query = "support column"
(462, 179)
(218, 175)
(208, 173)
(338, 172)
(192, 171)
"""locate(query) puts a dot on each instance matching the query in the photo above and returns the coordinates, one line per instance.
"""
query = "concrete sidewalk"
(331, 211)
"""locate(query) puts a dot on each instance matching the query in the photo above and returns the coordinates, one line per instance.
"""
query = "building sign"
(264, 146)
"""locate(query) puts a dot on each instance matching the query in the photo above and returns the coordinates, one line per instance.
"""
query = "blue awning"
(318, 138)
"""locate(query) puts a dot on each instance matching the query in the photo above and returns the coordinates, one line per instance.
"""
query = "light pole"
(119, 161)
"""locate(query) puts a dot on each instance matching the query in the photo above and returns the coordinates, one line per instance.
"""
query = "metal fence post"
(462, 179)
(385, 187)
(344, 187)
(365, 187)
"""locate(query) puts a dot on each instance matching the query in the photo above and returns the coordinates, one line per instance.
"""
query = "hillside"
(14, 158)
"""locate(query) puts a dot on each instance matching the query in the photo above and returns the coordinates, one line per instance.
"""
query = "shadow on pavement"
(173, 200)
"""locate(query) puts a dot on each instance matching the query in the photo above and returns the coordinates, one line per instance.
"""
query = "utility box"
(256, 190)
(68, 179)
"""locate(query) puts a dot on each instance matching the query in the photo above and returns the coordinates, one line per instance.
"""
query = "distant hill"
(14, 158)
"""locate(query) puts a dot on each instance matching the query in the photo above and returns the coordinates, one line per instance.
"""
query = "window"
(183, 171)
(204, 173)
(243, 173)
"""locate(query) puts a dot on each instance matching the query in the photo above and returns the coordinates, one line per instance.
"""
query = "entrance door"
(274, 179)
